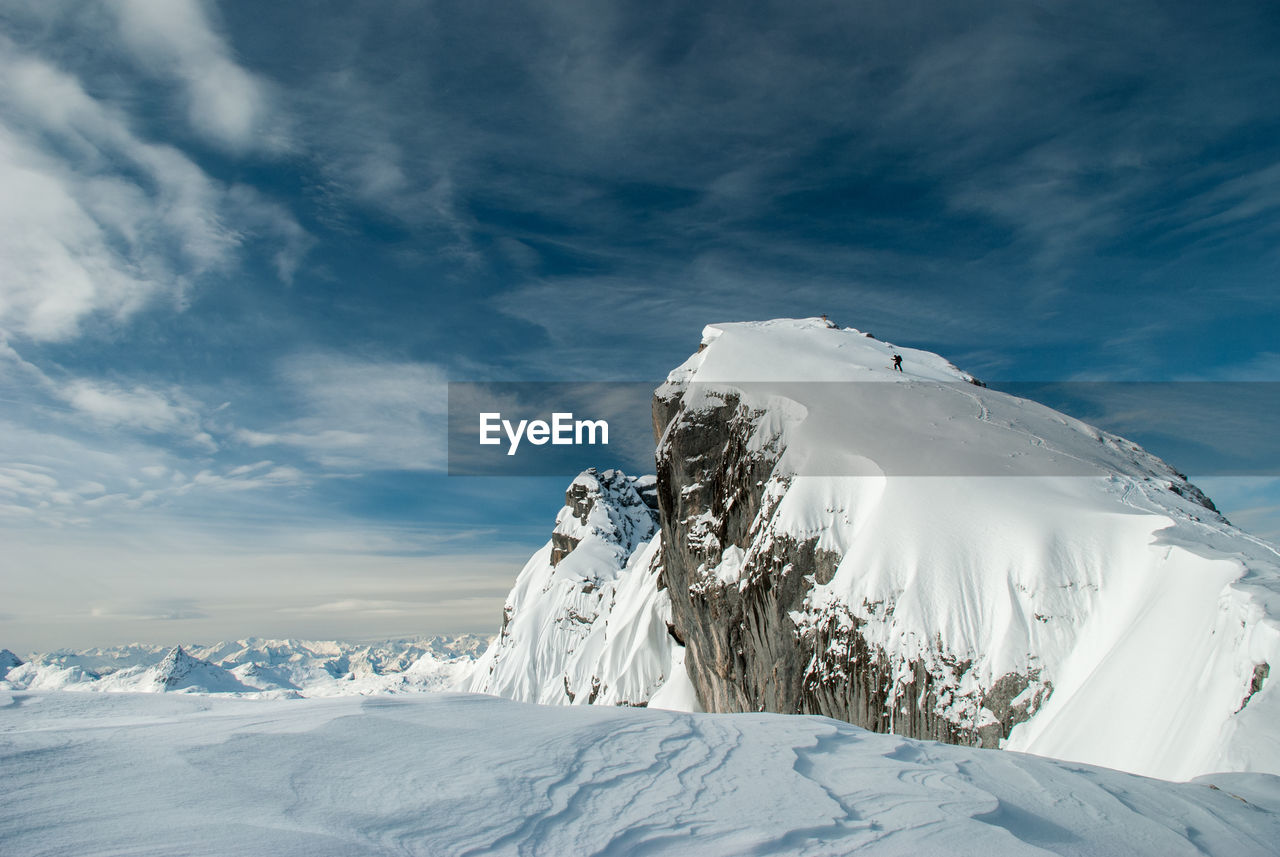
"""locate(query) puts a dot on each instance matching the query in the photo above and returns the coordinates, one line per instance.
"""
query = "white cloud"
(98, 222)
(137, 407)
(246, 469)
(247, 478)
(59, 261)
(64, 481)
(366, 606)
(161, 610)
(83, 448)
(362, 414)
(107, 404)
(225, 103)
(317, 441)
(258, 215)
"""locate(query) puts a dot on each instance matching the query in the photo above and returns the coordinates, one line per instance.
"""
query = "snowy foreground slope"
(446, 774)
(913, 553)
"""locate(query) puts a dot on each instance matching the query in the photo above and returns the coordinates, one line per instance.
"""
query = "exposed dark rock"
(561, 547)
(744, 650)
(581, 498)
(175, 666)
(1190, 492)
(1260, 673)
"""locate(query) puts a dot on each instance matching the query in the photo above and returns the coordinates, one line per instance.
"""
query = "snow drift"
(454, 774)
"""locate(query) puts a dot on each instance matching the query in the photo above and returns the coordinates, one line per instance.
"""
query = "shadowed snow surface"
(132, 774)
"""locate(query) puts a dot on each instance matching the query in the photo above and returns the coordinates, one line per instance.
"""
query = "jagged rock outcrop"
(180, 671)
(176, 666)
(586, 622)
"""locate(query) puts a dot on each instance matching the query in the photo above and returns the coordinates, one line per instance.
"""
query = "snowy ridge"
(254, 667)
(1112, 618)
(462, 774)
(586, 622)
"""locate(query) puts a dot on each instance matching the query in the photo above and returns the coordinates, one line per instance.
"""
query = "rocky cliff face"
(738, 584)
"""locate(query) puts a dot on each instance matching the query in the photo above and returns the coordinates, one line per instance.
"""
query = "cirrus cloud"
(96, 221)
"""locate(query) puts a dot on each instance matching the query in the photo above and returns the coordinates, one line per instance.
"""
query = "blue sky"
(243, 246)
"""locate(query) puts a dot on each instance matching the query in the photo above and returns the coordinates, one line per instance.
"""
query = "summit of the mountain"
(180, 671)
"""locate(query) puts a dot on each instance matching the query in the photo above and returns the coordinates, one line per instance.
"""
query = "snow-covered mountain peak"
(927, 556)
(585, 621)
(818, 394)
(181, 671)
(805, 349)
(176, 666)
(8, 660)
(606, 510)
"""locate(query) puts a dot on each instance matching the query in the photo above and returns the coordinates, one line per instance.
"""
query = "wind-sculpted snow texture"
(586, 622)
(1057, 589)
(252, 667)
(450, 775)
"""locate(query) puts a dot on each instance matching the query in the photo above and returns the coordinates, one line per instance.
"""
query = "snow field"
(455, 774)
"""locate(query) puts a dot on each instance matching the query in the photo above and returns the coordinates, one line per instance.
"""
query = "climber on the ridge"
(897, 362)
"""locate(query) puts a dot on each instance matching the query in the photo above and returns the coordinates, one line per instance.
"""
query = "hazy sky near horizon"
(243, 247)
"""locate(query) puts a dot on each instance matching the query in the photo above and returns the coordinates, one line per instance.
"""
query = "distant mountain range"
(252, 667)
